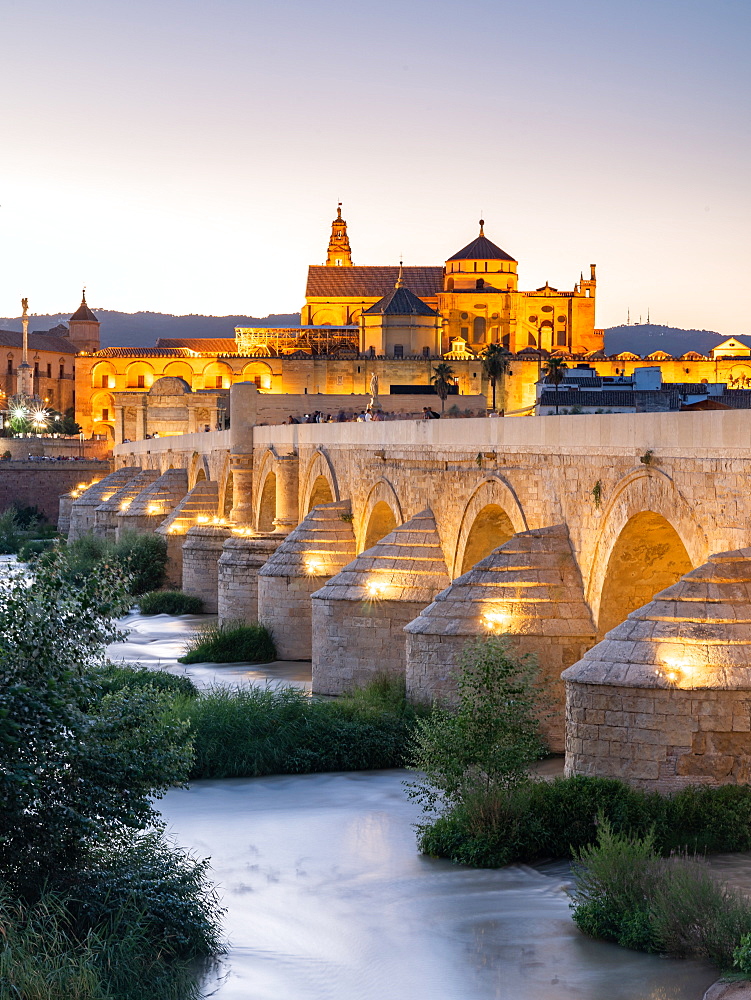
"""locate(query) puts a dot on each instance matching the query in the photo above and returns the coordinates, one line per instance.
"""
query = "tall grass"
(253, 731)
(230, 642)
(628, 894)
(170, 602)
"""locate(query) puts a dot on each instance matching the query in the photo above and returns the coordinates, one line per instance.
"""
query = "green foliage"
(34, 547)
(81, 557)
(628, 894)
(491, 739)
(230, 642)
(442, 379)
(170, 602)
(65, 424)
(742, 955)
(116, 676)
(540, 819)
(127, 926)
(9, 531)
(68, 774)
(145, 559)
(252, 731)
(496, 362)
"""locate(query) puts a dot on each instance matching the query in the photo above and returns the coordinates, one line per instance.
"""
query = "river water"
(328, 899)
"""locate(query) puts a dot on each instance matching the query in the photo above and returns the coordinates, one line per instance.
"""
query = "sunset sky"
(188, 156)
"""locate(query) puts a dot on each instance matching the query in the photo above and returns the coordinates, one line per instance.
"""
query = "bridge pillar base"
(202, 549)
(241, 559)
(83, 508)
(664, 701)
(360, 614)
(528, 589)
(319, 547)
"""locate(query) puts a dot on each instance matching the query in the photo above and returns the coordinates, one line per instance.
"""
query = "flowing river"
(328, 899)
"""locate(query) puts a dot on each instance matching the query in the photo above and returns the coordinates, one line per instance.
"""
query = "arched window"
(478, 330)
(450, 285)
(531, 342)
(480, 283)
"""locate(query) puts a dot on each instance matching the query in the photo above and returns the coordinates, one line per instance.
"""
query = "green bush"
(543, 819)
(253, 731)
(493, 736)
(627, 893)
(170, 602)
(116, 676)
(145, 559)
(9, 531)
(230, 642)
(34, 547)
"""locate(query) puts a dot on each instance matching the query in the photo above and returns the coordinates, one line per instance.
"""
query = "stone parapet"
(664, 700)
(82, 511)
(201, 551)
(154, 503)
(529, 589)
(360, 614)
(319, 547)
(242, 557)
(105, 515)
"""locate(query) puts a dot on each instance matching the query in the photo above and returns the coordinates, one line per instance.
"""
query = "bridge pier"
(201, 551)
(241, 559)
(664, 701)
(319, 547)
(359, 615)
(196, 507)
(105, 515)
(83, 510)
(529, 589)
(149, 508)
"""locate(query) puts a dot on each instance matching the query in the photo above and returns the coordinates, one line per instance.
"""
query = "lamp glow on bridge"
(125, 504)
(154, 508)
(313, 565)
(496, 621)
(376, 589)
(202, 519)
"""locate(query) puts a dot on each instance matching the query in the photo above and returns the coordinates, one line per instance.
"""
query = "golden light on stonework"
(125, 504)
(313, 565)
(154, 508)
(677, 670)
(496, 620)
(202, 519)
(376, 589)
(82, 486)
(243, 532)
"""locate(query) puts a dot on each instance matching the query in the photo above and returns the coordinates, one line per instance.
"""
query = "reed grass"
(230, 642)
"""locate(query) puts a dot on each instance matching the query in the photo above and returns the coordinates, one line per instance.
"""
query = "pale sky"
(185, 156)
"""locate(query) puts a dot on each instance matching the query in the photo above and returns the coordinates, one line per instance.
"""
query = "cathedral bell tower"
(339, 254)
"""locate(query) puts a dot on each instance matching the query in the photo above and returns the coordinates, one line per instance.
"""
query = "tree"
(495, 363)
(554, 368)
(76, 765)
(491, 739)
(442, 380)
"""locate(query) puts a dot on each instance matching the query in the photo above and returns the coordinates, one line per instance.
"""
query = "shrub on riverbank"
(253, 731)
(541, 819)
(230, 642)
(628, 894)
(170, 602)
(141, 558)
(116, 676)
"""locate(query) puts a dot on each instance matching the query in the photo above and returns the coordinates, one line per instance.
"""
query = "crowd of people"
(360, 416)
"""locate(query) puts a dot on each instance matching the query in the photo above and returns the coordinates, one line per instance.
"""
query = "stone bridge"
(385, 546)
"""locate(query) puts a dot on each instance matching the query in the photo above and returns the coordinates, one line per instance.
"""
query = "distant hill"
(142, 329)
(645, 338)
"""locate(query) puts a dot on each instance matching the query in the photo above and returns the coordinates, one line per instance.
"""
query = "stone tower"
(339, 254)
(24, 372)
(84, 328)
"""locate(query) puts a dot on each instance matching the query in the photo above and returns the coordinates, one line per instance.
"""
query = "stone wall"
(40, 484)
(242, 557)
(658, 738)
(201, 551)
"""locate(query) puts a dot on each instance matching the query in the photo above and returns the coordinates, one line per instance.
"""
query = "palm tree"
(495, 363)
(554, 368)
(442, 381)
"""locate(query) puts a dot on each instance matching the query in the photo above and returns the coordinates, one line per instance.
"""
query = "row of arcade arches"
(648, 541)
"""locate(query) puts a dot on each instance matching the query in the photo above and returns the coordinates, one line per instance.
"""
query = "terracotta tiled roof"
(144, 352)
(481, 249)
(205, 345)
(38, 342)
(607, 397)
(351, 282)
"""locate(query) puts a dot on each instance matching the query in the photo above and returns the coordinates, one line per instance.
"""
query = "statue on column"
(374, 406)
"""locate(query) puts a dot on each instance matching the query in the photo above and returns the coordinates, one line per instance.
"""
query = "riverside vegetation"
(95, 902)
(637, 855)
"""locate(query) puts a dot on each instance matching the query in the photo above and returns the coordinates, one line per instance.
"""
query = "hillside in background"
(648, 337)
(142, 329)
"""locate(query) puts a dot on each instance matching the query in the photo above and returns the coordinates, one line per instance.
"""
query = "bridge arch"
(198, 469)
(224, 505)
(265, 494)
(381, 514)
(492, 515)
(649, 538)
(321, 485)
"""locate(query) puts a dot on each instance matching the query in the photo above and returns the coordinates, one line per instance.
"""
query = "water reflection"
(328, 900)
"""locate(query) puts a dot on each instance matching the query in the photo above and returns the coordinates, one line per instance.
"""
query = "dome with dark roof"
(83, 312)
(481, 249)
(400, 301)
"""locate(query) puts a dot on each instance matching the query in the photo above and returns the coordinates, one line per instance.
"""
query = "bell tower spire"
(339, 254)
